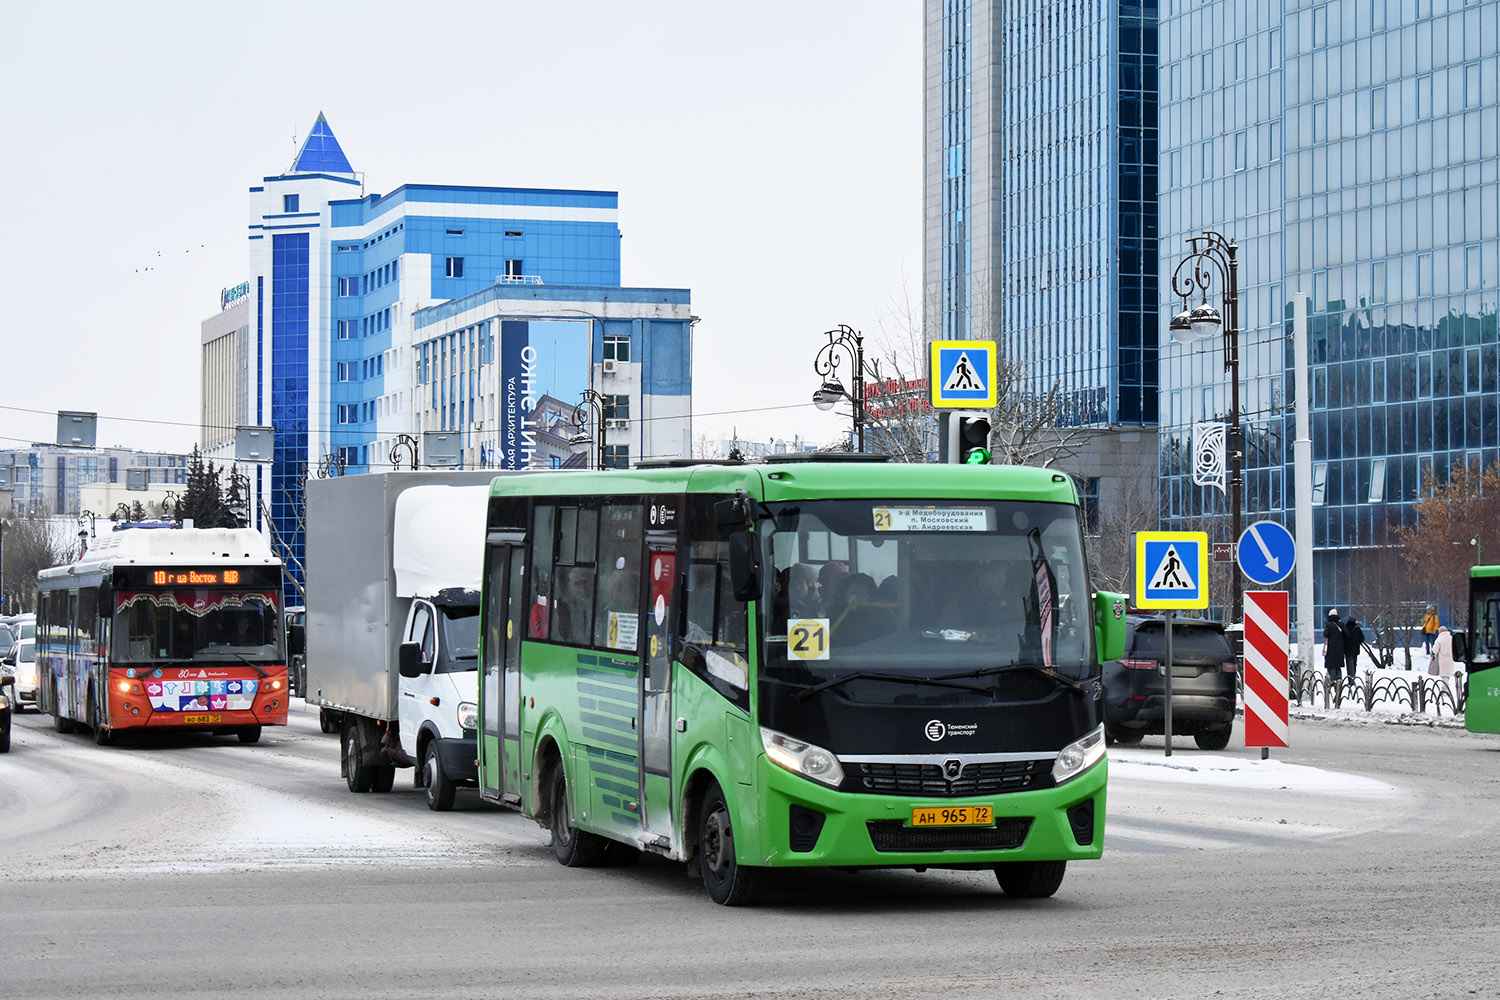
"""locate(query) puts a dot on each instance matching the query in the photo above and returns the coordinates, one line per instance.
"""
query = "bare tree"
(1464, 510)
(1112, 550)
(1026, 427)
(32, 541)
(706, 447)
(1385, 604)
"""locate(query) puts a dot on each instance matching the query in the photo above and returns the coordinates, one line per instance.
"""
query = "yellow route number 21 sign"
(807, 638)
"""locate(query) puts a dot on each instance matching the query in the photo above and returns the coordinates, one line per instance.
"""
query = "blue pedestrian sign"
(1171, 569)
(1266, 553)
(962, 373)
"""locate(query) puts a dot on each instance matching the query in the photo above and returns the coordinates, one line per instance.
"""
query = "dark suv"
(1203, 682)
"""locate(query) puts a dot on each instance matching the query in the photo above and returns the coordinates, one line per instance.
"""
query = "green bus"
(842, 664)
(1481, 651)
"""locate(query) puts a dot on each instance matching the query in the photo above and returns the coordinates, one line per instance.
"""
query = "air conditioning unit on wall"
(609, 366)
(616, 425)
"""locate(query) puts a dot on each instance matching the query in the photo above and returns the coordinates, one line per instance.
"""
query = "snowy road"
(1363, 860)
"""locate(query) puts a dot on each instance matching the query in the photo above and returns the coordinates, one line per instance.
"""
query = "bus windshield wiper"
(246, 662)
(807, 693)
(1010, 668)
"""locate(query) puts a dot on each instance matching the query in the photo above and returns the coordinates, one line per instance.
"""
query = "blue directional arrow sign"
(1266, 553)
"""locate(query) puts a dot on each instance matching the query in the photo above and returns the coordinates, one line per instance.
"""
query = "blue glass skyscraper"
(1350, 148)
(1040, 206)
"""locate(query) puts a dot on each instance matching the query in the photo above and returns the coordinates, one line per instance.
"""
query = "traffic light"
(964, 438)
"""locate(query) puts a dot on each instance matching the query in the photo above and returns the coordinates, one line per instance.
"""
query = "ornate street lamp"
(1195, 275)
(844, 341)
(590, 414)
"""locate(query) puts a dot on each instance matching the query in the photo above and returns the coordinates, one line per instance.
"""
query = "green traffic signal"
(979, 456)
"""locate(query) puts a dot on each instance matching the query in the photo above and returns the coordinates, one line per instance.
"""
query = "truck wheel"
(440, 787)
(573, 847)
(383, 778)
(727, 881)
(250, 734)
(5, 738)
(1030, 879)
(357, 773)
(325, 720)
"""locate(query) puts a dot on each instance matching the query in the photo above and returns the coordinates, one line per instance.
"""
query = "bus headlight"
(1079, 756)
(468, 715)
(802, 758)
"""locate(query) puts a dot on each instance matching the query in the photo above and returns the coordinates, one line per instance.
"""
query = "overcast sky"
(767, 157)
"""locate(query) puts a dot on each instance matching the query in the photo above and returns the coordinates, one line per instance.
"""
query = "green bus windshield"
(924, 588)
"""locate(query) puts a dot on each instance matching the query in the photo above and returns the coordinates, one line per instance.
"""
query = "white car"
(21, 663)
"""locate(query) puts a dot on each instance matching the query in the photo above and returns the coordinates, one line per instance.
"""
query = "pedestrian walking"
(1429, 628)
(1354, 640)
(1333, 646)
(1441, 664)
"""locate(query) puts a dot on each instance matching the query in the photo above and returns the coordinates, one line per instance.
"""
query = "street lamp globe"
(828, 394)
(1206, 320)
(1181, 328)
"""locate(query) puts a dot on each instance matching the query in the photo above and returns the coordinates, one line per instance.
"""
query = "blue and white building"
(483, 363)
(337, 276)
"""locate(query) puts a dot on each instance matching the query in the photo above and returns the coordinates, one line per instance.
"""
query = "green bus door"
(656, 676)
(500, 677)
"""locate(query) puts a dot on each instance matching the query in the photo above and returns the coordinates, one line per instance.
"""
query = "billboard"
(541, 362)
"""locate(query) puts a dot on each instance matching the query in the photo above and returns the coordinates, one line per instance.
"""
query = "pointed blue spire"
(320, 152)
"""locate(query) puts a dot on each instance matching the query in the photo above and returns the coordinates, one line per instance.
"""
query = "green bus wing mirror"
(1109, 625)
(744, 566)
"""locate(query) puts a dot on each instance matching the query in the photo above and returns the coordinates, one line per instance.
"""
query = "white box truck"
(392, 628)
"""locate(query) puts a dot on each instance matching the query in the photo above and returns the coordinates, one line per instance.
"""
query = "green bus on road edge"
(1481, 651)
(843, 664)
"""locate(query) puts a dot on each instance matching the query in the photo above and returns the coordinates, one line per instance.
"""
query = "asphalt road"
(204, 868)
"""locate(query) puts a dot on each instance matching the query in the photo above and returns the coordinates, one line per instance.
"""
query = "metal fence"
(1418, 692)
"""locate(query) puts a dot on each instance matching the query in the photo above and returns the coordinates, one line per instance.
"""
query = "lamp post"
(843, 341)
(590, 413)
(1195, 275)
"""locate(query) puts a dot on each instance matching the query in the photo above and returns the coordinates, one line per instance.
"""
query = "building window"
(617, 456)
(513, 267)
(1377, 481)
(617, 407)
(513, 232)
(1319, 483)
(346, 329)
(289, 202)
(346, 371)
(455, 232)
(1088, 496)
(348, 287)
(455, 267)
(617, 347)
(346, 414)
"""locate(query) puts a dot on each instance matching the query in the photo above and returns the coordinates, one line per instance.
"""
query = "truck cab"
(439, 691)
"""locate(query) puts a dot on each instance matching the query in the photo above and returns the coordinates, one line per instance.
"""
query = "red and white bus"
(155, 627)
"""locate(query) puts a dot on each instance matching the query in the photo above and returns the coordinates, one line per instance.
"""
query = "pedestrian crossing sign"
(962, 373)
(1171, 569)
